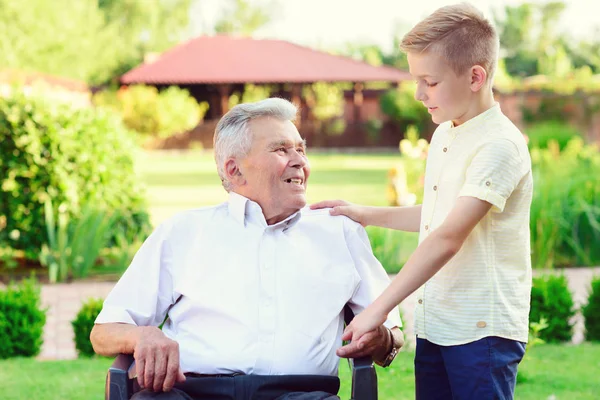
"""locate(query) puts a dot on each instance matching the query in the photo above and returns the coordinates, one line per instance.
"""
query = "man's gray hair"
(233, 137)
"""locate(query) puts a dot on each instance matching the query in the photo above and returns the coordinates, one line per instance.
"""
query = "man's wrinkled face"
(275, 171)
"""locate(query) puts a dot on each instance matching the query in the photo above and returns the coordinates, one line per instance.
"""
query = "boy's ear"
(478, 77)
(233, 173)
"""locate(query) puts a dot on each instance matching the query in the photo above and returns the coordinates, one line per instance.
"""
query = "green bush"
(83, 324)
(74, 246)
(21, 320)
(76, 157)
(591, 312)
(147, 111)
(401, 106)
(542, 133)
(565, 211)
(551, 301)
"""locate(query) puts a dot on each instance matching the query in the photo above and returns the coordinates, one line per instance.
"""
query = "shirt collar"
(244, 210)
(491, 112)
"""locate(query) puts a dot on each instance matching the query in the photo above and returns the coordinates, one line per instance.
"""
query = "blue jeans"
(480, 370)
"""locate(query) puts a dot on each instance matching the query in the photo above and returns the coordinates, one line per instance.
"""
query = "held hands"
(157, 360)
(365, 332)
(376, 342)
(341, 207)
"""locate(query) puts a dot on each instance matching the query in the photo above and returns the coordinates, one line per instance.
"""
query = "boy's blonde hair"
(461, 34)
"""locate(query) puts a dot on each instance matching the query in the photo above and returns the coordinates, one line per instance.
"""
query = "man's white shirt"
(246, 297)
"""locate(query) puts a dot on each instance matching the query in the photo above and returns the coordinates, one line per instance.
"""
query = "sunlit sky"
(329, 24)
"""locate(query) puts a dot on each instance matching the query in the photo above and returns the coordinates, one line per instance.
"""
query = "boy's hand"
(366, 321)
(341, 207)
(378, 342)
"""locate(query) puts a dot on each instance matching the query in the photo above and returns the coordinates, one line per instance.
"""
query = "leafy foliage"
(401, 106)
(551, 301)
(565, 210)
(591, 312)
(73, 246)
(76, 157)
(21, 320)
(540, 135)
(153, 113)
(89, 40)
(83, 324)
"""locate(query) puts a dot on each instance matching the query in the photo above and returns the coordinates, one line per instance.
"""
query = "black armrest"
(120, 380)
(364, 377)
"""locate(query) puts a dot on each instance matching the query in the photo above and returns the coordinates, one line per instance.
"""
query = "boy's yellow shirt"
(484, 290)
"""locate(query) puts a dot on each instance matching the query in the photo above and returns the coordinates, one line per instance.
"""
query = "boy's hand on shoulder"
(341, 207)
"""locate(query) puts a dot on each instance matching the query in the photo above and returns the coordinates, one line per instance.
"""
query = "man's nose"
(298, 160)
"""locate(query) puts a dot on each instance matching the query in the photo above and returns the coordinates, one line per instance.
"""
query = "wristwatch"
(393, 352)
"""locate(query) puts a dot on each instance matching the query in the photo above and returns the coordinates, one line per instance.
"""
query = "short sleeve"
(144, 293)
(494, 172)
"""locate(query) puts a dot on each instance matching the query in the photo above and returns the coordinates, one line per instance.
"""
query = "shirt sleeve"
(373, 278)
(144, 293)
(494, 173)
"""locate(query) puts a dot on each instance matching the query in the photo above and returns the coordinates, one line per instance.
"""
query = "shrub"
(83, 324)
(591, 312)
(76, 157)
(542, 133)
(153, 113)
(401, 106)
(566, 206)
(551, 301)
(21, 320)
(74, 246)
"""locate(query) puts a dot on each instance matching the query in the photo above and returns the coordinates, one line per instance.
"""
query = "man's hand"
(341, 207)
(157, 360)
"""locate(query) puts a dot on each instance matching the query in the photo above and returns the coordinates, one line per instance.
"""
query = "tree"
(242, 18)
(61, 37)
(529, 40)
(143, 26)
(90, 40)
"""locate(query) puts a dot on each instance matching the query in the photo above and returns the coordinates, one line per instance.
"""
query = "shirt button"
(481, 324)
(488, 183)
(445, 149)
(426, 227)
(420, 301)
(435, 188)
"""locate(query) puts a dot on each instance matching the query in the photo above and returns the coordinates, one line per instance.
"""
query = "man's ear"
(233, 173)
(478, 77)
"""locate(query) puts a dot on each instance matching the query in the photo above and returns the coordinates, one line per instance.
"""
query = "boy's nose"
(419, 95)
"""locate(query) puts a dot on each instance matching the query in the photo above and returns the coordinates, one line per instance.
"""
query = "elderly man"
(253, 288)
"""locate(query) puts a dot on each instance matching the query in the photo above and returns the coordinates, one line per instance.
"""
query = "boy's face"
(446, 95)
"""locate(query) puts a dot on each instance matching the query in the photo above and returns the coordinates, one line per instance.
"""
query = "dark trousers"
(480, 370)
(250, 387)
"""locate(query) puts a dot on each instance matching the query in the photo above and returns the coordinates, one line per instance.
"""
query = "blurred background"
(107, 111)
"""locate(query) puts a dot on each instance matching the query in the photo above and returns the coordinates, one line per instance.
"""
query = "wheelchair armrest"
(364, 377)
(121, 382)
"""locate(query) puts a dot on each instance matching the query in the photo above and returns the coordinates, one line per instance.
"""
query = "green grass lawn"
(558, 372)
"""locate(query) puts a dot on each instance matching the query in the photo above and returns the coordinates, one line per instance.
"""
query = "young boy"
(473, 263)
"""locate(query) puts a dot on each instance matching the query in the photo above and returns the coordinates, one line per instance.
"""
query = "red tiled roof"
(224, 59)
(11, 76)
